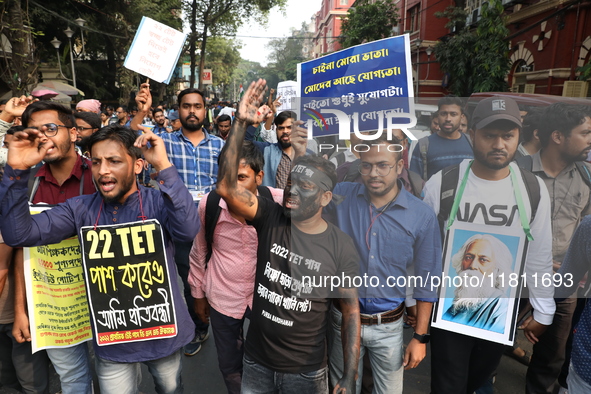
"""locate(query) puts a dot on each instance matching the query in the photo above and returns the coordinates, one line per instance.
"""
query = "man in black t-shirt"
(286, 343)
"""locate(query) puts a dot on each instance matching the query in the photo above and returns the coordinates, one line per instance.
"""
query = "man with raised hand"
(116, 161)
(286, 343)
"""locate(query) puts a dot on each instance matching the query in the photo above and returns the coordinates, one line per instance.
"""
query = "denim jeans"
(576, 385)
(383, 342)
(257, 379)
(229, 342)
(125, 378)
(72, 364)
(32, 369)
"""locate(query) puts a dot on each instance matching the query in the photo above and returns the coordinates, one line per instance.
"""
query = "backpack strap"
(423, 148)
(264, 191)
(532, 186)
(525, 162)
(416, 183)
(468, 139)
(352, 172)
(584, 171)
(33, 184)
(212, 214)
(450, 177)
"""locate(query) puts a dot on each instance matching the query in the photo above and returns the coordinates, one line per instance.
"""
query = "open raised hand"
(15, 107)
(28, 148)
(249, 109)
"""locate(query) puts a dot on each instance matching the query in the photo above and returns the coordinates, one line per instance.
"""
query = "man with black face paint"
(285, 350)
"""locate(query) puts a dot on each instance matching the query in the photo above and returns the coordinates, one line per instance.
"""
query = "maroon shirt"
(49, 190)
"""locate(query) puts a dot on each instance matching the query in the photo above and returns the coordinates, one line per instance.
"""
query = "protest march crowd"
(204, 216)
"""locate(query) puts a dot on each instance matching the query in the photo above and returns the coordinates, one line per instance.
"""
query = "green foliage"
(476, 60)
(584, 72)
(109, 30)
(368, 21)
(222, 57)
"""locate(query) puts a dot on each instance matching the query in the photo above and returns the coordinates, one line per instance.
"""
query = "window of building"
(344, 2)
(413, 18)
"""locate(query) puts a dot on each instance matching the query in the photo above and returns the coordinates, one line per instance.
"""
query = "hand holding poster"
(128, 282)
(483, 274)
(58, 309)
(286, 91)
(155, 50)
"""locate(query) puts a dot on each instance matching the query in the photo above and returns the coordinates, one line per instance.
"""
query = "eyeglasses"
(82, 128)
(51, 129)
(383, 169)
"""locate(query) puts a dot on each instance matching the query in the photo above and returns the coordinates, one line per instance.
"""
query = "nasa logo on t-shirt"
(498, 105)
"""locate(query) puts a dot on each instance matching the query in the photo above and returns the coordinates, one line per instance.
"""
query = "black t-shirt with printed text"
(289, 317)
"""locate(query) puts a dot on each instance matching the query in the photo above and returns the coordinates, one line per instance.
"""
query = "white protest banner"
(207, 77)
(155, 50)
(286, 90)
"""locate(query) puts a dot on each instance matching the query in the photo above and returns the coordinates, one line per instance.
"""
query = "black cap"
(495, 108)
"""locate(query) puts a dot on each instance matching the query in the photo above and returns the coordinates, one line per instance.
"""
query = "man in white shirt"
(460, 363)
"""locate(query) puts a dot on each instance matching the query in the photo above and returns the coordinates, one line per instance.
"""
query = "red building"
(327, 26)
(548, 40)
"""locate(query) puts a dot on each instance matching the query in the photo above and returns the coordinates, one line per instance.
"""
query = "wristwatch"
(422, 338)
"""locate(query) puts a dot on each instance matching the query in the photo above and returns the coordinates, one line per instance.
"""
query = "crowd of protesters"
(253, 214)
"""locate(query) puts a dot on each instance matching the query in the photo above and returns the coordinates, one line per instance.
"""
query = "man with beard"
(160, 121)
(564, 132)
(194, 152)
(278, 156)
(484, 307)
(123, 116)
(396, 235)
(286, 343)
(87, 123)
(116, 162)
(64, 174)
(490, 183)
(447, 147)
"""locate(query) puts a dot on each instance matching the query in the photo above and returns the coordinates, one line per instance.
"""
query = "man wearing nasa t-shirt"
(460, 363)
(286, 343)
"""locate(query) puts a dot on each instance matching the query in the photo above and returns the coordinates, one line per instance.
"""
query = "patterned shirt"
(197, 165)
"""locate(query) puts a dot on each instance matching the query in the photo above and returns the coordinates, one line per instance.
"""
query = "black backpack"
(449, 184)
(212, 214)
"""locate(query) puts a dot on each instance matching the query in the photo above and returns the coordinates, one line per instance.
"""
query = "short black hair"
(64, 114)
(189, 91)
(115, 132)
(320, 163)
(283, 116)
(14, 129)
(450, 100)
(531, 122)
(383, 139)
(224, 118)
(124, 108)
(156, 110)
(251, 155)
(110, 107)
(560, 117)
(105, 112)
(94, 120)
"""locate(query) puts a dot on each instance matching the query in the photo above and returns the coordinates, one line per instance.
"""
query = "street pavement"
(202, 376)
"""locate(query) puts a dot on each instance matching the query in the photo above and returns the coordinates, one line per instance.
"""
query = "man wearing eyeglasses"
(396, 235)
(64, 174)
(87, 123)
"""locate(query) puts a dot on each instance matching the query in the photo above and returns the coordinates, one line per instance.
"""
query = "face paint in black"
(302, 198)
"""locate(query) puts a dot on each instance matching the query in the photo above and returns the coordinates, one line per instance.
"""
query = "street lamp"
(80, 22)
(69, 33)
(429, 51)
(418, 43)
(56, 44)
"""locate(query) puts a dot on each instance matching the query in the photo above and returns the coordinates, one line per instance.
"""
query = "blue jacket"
(172, 206)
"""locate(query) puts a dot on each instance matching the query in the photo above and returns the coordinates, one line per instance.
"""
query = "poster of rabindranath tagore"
(128, 282)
